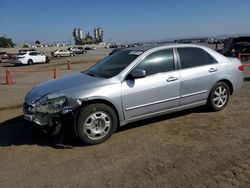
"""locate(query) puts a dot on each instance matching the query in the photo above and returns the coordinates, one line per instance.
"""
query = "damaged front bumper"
(52, 123)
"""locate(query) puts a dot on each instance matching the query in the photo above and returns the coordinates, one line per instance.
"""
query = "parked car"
(28, 58)
(77, 50)
(134, 84)
(3, 55)
(11, 55)
(90, 48)
(234, 46)
(113, 46)
(62, 53)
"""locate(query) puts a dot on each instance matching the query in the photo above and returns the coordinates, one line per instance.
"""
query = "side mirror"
(137, 73)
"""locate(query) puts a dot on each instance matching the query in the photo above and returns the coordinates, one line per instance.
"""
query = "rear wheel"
(47, 60)
(30, 62)
(218, 97)
(96, 123)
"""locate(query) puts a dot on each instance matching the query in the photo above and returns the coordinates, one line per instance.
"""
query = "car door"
(33, 56)
(67, 53)
(158, 91)
(62, 53)
(41, 58)
(198, 74)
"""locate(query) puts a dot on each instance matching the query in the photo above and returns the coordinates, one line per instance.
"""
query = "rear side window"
(157, 62)
(193, 57)
(210, 59)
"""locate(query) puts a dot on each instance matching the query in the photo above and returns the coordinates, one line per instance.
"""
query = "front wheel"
(218, 97)
(96, 123)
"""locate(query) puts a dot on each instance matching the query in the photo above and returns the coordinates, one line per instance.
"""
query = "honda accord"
(133, 84)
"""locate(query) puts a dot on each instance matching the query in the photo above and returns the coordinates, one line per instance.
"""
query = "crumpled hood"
(78, 79)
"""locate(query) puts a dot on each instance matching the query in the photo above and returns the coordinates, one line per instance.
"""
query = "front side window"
(158, 62)
(192, 57)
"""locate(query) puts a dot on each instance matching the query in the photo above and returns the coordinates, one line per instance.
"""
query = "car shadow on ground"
(17, 131)
(162, 118)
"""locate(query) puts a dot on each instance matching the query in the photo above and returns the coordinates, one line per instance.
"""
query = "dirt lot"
(193, 148)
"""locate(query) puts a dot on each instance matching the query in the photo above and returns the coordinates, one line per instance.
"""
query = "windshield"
(113, 64)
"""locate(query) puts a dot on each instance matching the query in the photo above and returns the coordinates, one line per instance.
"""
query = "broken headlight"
(50, 106)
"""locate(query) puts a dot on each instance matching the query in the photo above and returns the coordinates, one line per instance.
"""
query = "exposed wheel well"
(230, 85)
(103, 102)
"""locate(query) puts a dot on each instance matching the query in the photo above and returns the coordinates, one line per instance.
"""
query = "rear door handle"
(212, 70)
(171, 79)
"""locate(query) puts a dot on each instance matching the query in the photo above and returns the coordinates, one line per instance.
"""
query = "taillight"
(241, 68)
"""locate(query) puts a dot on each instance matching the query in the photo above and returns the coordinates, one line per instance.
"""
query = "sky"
(122, 21)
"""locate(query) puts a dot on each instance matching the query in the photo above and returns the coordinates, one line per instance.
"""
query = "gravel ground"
(192, 148)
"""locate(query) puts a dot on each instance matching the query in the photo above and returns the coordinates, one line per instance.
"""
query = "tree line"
(6, 42)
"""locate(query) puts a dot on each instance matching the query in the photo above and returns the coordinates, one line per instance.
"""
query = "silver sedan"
(62, 53)
(134, 84)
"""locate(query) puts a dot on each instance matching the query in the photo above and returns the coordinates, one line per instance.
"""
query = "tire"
(96, 123)
(30, 62)
(58, 55)
(47, 60)
(218, 97)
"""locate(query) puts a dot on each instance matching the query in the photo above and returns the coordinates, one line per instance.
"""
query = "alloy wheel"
(220, 96)
(97, 125)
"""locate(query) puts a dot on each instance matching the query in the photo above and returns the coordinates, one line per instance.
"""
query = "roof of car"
(173, 45)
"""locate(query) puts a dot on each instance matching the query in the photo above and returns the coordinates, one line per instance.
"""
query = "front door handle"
(212, 70)
(171, 79)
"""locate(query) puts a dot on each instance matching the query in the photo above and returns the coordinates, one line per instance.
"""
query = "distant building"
(88, 39)
(98, 35)
(78, 36)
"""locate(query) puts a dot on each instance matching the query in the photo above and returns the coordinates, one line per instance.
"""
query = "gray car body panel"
(150, 96)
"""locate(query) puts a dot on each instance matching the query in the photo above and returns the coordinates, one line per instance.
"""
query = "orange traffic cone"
(55, 73)
(8, 77)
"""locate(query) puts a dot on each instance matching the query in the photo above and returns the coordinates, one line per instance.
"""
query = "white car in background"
(62, 53)
(28, 58)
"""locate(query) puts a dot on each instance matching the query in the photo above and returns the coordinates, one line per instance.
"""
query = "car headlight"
(50, 106)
